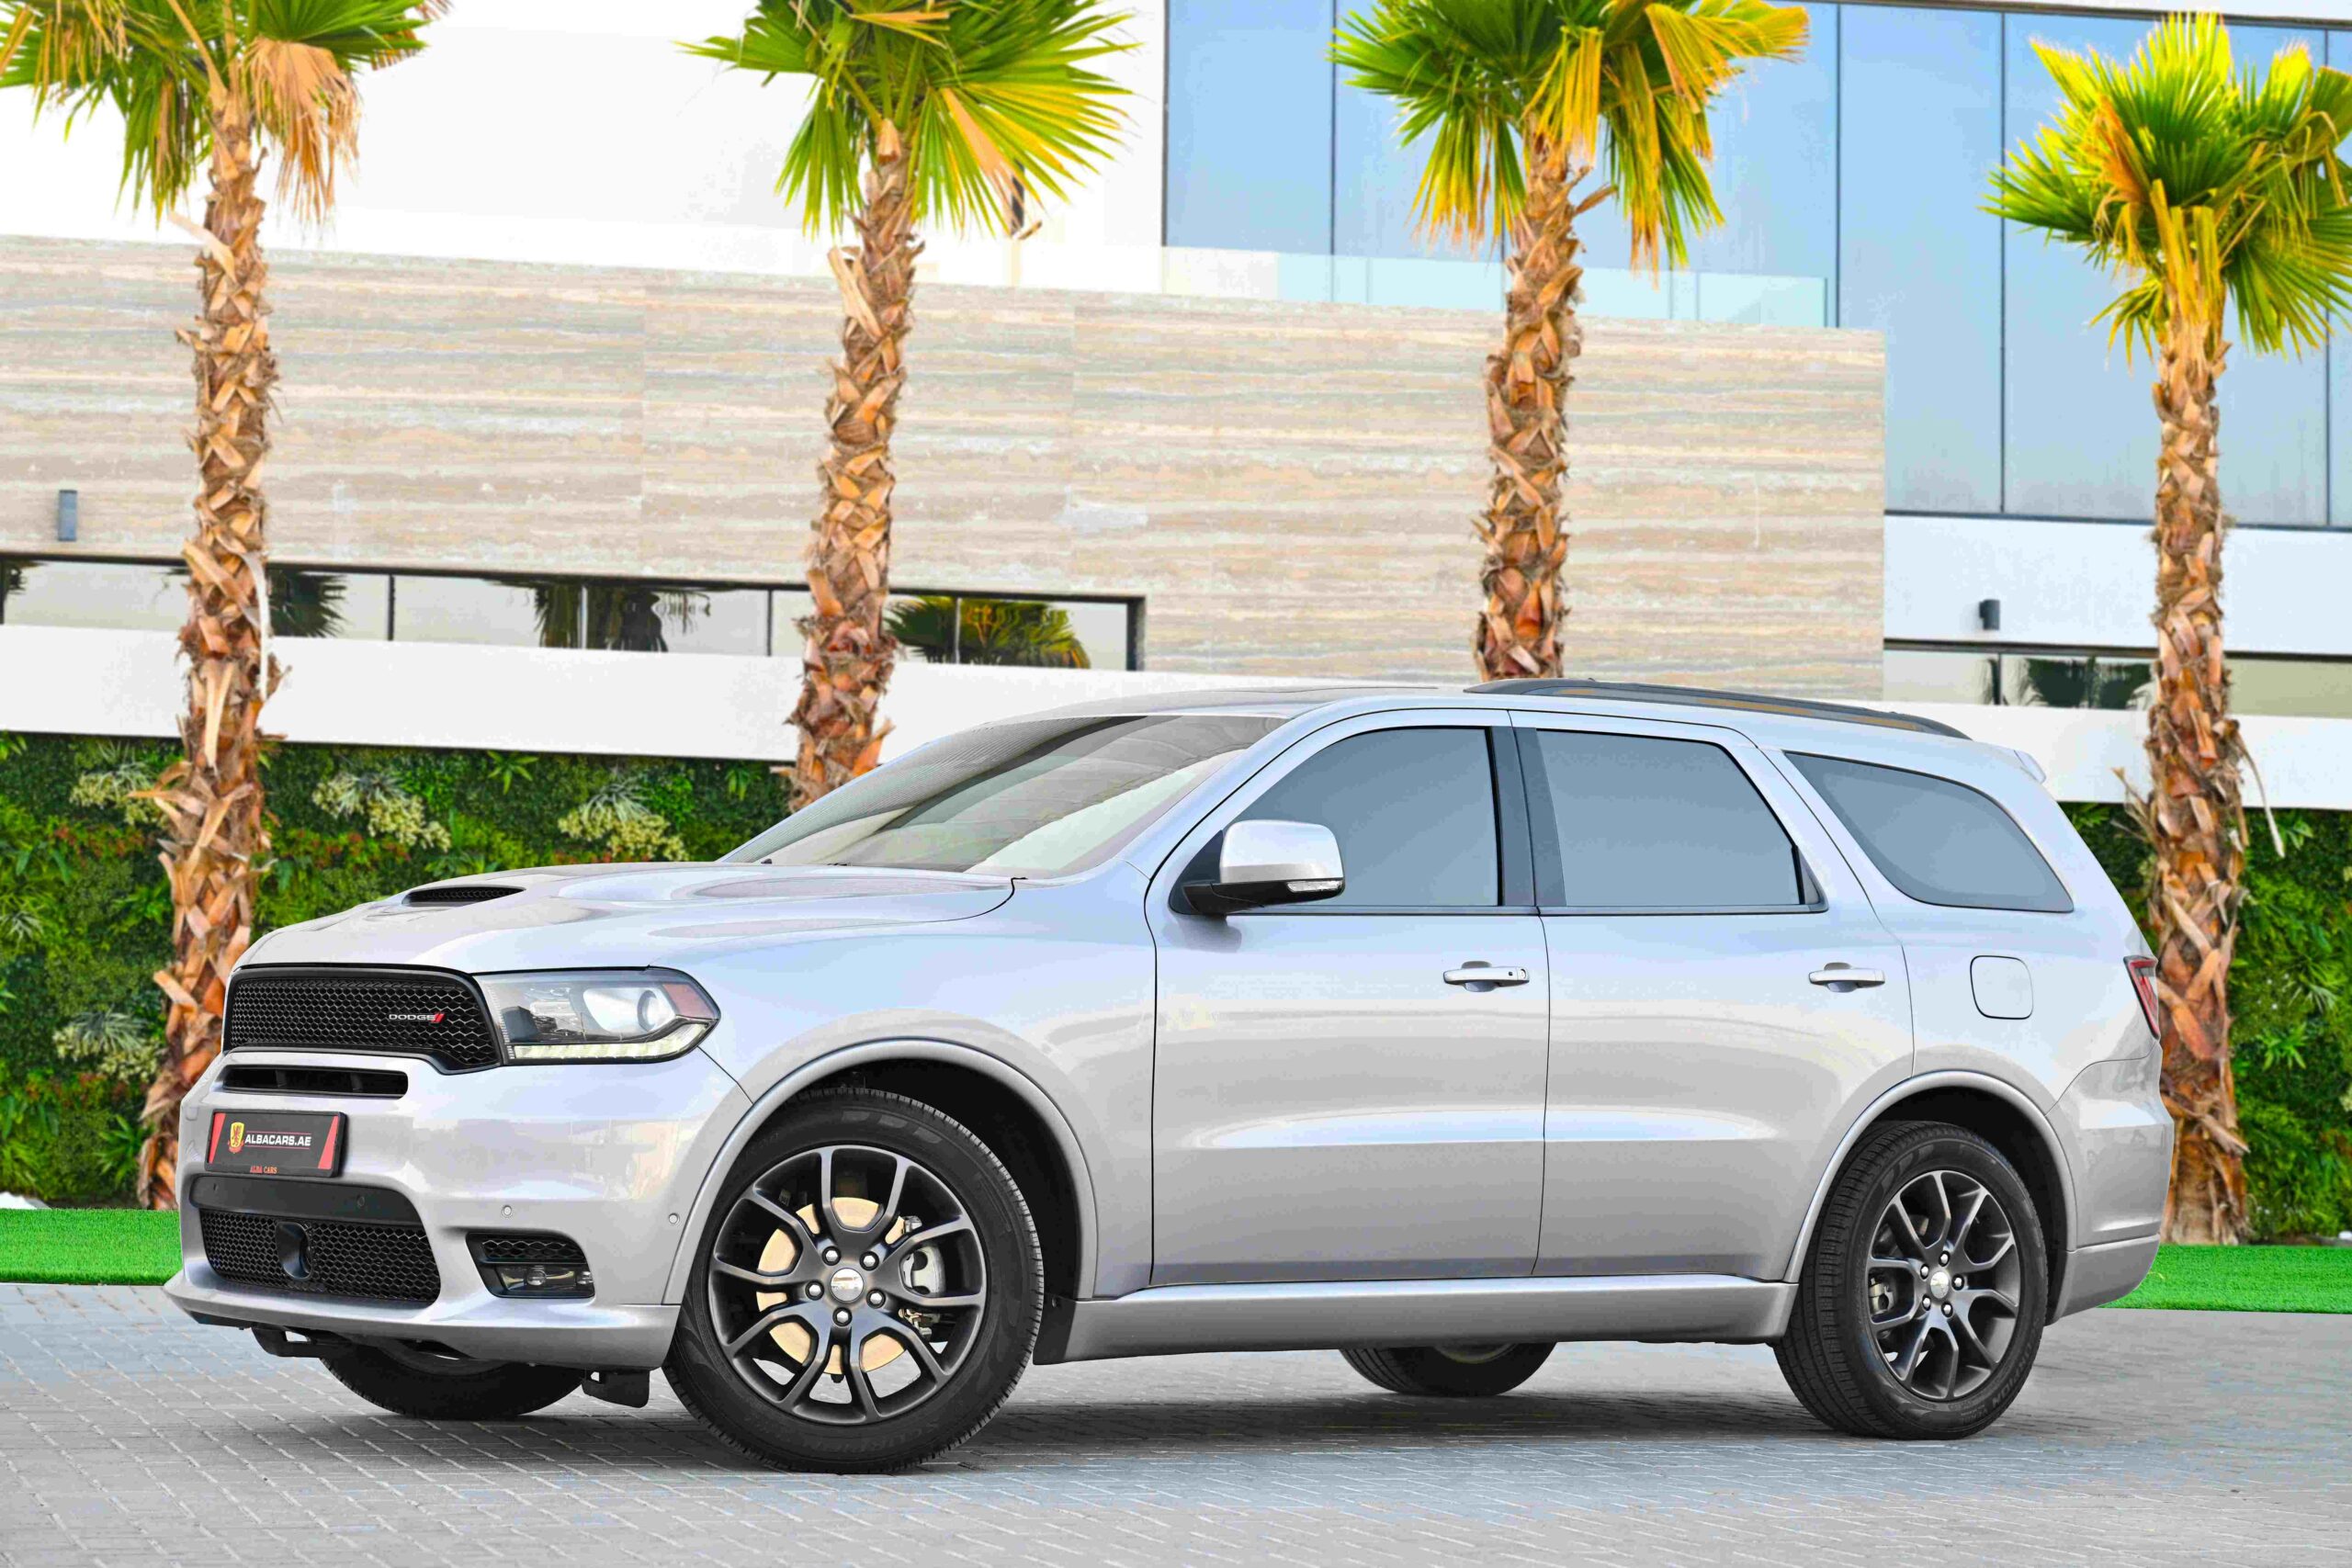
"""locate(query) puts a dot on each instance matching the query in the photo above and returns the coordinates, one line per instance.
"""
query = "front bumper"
(610, 1155)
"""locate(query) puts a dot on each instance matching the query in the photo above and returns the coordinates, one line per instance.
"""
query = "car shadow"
(1044, 1432)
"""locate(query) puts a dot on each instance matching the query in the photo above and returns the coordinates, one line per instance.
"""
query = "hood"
(625, 916)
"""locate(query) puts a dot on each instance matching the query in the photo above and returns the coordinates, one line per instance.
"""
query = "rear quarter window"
(1938, 841)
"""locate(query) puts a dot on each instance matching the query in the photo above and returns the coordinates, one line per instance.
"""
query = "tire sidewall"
(1908, 1413)
(706, 1381)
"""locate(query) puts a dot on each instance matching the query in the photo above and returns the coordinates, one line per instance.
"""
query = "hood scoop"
(465, 893)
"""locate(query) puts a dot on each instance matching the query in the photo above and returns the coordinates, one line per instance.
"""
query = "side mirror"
(1266, 862)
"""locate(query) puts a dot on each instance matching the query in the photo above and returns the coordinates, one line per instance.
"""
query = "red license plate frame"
(278, 1143)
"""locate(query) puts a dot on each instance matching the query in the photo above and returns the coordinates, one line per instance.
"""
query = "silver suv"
(1431, 1026)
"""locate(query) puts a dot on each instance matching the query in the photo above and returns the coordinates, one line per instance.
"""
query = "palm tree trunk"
(850, 651)
(212, 798)
(1524, 529)
(2195, 817)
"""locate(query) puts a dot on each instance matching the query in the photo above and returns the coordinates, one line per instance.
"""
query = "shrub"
(85, 914)
(69, 1140)
(2291, 1027)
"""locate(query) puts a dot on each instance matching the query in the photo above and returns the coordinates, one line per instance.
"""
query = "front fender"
(816, 1069)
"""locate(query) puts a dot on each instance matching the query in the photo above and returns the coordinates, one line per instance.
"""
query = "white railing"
(58, 680)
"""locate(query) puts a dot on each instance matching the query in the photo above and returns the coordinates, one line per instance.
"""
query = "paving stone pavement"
(128, 1434)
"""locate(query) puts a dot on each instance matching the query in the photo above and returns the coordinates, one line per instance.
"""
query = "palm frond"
(2202, 188)
(1625, 83)
(996, 100)
(291, 65)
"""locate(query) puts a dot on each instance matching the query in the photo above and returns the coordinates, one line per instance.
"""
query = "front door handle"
(1844, 976)
(1486, 976)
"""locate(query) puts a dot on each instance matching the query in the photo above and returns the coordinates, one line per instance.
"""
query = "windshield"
(1034, 797)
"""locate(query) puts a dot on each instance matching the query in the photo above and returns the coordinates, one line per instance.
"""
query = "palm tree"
(1515, 96)
(213, 83)
(2199, 189)
(920, 111)
(947, 629)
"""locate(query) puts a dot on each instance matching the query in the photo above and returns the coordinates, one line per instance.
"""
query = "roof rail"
(1699, 697)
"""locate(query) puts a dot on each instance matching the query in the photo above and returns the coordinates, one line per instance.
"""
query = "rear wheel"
(868, 1292)
(436, 1387)
(1449, 1371)
(1920, 1307)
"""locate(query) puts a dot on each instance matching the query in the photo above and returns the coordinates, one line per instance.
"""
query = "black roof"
(1698, 697)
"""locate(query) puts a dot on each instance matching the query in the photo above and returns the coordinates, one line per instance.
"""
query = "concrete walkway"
(131, 1436)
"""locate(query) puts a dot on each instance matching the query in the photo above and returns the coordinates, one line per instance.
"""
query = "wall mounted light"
(68, 516)
(1988, 615)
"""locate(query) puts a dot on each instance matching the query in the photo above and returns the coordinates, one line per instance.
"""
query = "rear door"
(2015, 974)
(1336, 1095)
(1706, 1050)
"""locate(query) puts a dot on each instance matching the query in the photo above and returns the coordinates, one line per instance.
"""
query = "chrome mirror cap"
(1264, 862)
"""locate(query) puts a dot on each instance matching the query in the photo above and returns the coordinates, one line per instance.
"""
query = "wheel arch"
(1004, 1108)
(2000, 1114)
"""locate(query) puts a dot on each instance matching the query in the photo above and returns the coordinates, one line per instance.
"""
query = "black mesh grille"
(380, 1263)
(475, 893)
(409, 1010)
(559, 1250)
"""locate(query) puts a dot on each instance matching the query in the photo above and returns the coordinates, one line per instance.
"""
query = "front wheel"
(448, 1388)
(869, 1291)
(1920, 1306)
(1449, 1371)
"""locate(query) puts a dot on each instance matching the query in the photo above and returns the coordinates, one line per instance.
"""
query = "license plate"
(277, 1143)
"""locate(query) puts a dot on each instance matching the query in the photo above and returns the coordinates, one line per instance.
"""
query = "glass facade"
(1852, 183)
(943, 628)
(2090, 678)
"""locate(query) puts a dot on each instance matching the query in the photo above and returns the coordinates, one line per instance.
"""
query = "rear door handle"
(1846, 975)
(1486, 975)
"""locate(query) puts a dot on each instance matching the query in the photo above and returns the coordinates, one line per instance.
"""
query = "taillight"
(2144, 981)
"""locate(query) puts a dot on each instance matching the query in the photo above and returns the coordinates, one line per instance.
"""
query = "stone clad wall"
(1290, 486)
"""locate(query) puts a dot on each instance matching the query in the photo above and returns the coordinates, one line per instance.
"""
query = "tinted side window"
(1414, 812)
(1938, 841)
(1633, 822)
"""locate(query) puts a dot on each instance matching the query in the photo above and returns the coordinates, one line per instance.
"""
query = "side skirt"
(1176, 1319)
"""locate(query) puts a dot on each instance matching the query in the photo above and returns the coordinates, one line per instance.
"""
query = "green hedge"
(84, 914)
(84, 911)
(2291, 1032)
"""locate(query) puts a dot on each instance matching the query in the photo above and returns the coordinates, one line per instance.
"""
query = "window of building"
(2079, 437)
(1250, 85)
(1414, 813)
(480, 610)
(1920, 258)
(1636, 822)
(152, 597)
(577, 611)
(1938, 841)
(2104, 678)
(92, 593)
(353, 606)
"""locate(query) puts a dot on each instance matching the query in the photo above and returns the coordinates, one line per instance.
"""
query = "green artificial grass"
(88, 1247)
(2247, 1278)
(133, 1246)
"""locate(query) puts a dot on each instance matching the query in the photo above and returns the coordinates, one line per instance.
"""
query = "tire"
(440, 1388)
(809, 1382)
(1449, 1371)
(1889, 1341)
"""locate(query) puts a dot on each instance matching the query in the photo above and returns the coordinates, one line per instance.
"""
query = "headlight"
(598, 1015)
